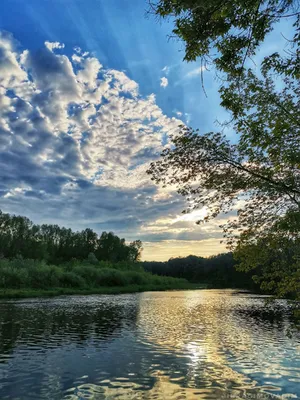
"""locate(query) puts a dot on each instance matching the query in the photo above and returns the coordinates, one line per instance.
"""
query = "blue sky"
(90, 91)
(124, 37)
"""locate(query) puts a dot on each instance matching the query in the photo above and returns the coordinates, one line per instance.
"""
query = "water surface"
(207, 344)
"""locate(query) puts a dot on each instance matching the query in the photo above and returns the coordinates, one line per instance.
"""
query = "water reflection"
(179, 345)
(233, 349)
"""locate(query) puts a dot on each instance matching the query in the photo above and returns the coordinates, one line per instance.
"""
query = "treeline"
(216, 271)
(47, 256)
(20, 237)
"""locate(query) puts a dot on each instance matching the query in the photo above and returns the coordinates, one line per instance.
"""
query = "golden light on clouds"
(194, 216)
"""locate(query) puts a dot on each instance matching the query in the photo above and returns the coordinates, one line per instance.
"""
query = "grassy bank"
(31, 293)
(30, 278)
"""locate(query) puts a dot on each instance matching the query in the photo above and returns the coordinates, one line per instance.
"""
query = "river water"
(206, 344)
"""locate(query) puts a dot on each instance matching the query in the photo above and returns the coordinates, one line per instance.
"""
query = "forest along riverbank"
(48, 260)
(33, 278)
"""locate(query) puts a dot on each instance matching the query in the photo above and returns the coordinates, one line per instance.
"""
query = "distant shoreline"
(34, 293)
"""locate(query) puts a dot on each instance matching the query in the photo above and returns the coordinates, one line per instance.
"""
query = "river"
(204, 344)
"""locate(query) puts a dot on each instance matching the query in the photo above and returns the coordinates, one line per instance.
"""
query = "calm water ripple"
(209, 344)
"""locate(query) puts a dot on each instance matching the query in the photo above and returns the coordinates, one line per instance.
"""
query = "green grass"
(30, 293)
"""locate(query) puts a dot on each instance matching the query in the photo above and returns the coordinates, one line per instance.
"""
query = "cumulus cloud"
(11, 72)
(76, 140)
(70, 127)
(164, 82)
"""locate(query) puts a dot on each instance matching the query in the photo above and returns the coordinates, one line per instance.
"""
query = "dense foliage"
(23, 274)
(257, 175)
(45, 257)
(223, 33)
(274, 262)
(19, 236)
(217, 271)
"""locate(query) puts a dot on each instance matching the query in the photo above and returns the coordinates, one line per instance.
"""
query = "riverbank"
(33, 293)
(32, 278)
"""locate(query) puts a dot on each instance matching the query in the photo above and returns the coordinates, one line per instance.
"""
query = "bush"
(21, 273)
(111, 277)
(121, 265)
(157, 280)
(13, 278)
(92, 259)
(88, 273)
(71, 280)
(44, 277)
(138, 278)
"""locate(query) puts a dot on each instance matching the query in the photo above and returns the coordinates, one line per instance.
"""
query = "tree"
(263, 166)
(135, 249)
(274, 259)
(222, 32)
(19, 236)
(217, 271)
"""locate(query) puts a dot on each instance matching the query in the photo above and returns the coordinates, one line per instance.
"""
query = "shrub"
(13, 278)
(138, 278)
(88, 273)
(44, 276)
(22, 273)
(157, 280)
(92, 259)
(71, 280)
(111, 277)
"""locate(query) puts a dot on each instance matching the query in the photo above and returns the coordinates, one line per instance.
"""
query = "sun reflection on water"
(225, 346)
(206, 344)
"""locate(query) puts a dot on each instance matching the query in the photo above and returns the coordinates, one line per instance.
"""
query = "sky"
(90, 91)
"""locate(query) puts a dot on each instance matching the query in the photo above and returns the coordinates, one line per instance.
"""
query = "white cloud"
(11, 72)
(194, 216)
(166, 70)
(54, 45)
(195, 72)
(178, 113)
(122, 83)
(164, 82)
(76, 140)
(88, 73)
(66, 131)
